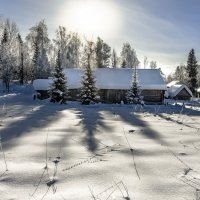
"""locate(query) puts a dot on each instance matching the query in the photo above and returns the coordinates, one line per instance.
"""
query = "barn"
(113, 84)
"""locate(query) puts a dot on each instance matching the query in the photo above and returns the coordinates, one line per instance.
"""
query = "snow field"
(101, 151)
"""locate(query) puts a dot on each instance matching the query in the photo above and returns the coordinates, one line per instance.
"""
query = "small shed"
(73, 78)
(179, 91)
(42, 86)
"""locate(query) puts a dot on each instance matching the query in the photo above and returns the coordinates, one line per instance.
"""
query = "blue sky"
(162, 30)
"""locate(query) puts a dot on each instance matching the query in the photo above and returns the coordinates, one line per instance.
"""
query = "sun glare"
(91, 17)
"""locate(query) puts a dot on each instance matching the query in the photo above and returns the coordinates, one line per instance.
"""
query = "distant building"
(113, 84)
(178, 91)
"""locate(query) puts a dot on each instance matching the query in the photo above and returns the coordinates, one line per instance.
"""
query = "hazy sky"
(162, 30)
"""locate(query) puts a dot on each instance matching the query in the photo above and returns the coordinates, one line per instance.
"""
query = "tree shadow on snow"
(37, 120)
(136, 120)
(92, 122)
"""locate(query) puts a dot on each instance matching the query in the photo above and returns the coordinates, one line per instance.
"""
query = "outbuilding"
(179, 91)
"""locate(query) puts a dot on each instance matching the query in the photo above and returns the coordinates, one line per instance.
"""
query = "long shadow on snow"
(40, 118)
(91, 118)
(136, 120)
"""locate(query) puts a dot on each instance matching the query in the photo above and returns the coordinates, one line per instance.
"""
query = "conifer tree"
(103, 53)
(191, 70)
(88, 90)
(133, 95)
(99, 53)
(35, 61)
(21, 58)
(114, 59)
(59, 88)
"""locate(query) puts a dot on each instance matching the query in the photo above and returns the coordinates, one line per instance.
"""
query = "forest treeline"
(33, 57)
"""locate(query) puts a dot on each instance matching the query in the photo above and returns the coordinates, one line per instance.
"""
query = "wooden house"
(113, 84)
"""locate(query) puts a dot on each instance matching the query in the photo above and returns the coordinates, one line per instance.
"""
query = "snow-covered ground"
(99, 152)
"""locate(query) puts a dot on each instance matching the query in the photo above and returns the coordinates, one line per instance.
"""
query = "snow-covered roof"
(42, 84)
(121, 78)
(175, 89)
(172, 83)
(74, 78)
(113, 78)
(118, 78)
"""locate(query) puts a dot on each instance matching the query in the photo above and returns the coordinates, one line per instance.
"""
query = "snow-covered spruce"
(133, 95)
(58, 90)
(88, 89)
(191, 70)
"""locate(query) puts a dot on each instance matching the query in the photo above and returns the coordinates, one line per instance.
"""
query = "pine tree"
(133, 95)
(35, 61)
(106, 54)
(114, 59)
(123, 65)
(191, 70)
(88, 90)
(59, 88)
(198, 76)
(99, 53)
(103, 53)
(21, 57)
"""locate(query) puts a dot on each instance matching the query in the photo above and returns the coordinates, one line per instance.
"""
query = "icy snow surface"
(77, 152)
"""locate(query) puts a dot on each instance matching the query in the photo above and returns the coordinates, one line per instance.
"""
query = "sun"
(91, 17)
